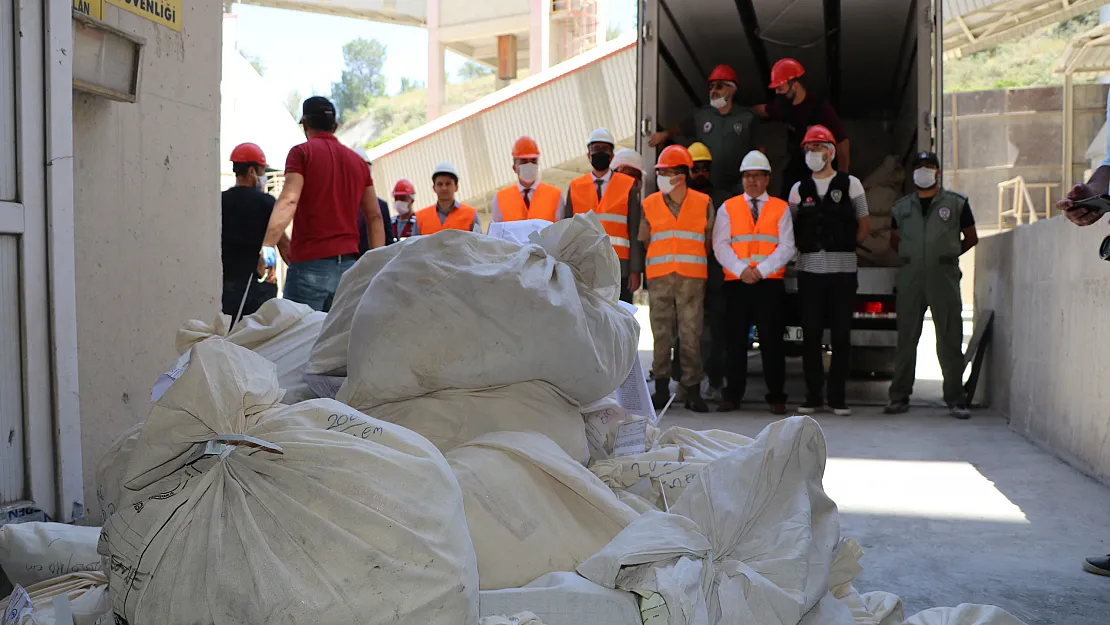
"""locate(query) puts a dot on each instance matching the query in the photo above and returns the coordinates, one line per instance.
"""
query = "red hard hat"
(784, 71)
(724, 72)
(818, 134)
(248, 153)
(403, 187)
(525, 147)
(674, 156)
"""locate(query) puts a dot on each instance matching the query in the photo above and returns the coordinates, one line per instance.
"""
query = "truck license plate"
(793, 333)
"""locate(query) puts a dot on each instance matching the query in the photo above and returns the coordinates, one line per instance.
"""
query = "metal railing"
(1021, 203)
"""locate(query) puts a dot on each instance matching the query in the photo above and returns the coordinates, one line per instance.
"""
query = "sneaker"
(959, 411)
(901, 406)
(841, 410)
(810, 407)
(1098, 566)
(778, 409)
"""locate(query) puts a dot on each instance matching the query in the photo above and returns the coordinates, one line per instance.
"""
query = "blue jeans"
(313, 282)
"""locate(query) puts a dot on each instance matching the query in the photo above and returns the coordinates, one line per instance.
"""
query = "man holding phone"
(1085, 214)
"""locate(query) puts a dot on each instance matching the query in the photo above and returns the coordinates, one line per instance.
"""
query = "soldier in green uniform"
(723, 126)
(931, 229)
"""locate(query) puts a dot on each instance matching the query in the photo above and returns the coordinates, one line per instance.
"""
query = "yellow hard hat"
(699, 152)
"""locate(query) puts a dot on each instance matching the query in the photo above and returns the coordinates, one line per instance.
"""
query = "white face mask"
(261, 182)
(664, 183)
(815, 161)
(718, 103)
(924, 178)
(529, 172)
(401, 207)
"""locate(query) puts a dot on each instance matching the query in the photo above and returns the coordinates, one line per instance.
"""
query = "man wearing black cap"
(326, 185)
(930, 230)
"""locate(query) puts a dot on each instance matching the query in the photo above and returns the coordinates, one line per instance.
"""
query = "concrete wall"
(147, 221)
(999, 134)
(1050, 358)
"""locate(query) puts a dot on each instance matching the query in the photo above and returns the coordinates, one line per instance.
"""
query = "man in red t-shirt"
(326, 185)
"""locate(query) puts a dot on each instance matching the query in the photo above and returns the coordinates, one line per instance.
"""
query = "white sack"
(453, 417)
(772, 528)
(659, 553)
(312, 513)
(85, 593)
(111, 469)
(280, 331)
(531, 508)
(458, 310)
(889, 174)
(35, 552)
(564, 599)
(329, 354)
(964, 614)
(880, 200)
(873, 608)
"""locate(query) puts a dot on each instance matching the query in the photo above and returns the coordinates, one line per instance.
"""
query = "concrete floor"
(949, 511)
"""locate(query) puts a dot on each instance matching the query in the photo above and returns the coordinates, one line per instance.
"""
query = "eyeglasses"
(719, 85)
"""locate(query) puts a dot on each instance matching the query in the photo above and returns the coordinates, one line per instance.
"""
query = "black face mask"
(601, 160)
(699, 183)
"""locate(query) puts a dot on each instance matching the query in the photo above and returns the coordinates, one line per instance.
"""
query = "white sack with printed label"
(531, 508)
(35, 552)
(237, 509)
(458, 310)
(73, 599)
(280, 331)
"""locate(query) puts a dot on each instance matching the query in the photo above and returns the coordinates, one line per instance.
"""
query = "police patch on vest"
(708, 127)
(945, 213)
(738, 128)
(836, 194)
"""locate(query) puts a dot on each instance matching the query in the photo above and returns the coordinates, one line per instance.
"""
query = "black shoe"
(1098, 566)
(662, 393)
(694, 400)
(901, 406)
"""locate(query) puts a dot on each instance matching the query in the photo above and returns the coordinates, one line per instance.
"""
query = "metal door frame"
(647, 95)
(42, 216)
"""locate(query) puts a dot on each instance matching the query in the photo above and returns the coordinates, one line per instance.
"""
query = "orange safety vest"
(753, 242)
(543, 203)
(462, 218)
(677, 245)
(612, 210)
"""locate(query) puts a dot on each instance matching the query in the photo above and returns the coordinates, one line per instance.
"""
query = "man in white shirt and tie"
(753, 239)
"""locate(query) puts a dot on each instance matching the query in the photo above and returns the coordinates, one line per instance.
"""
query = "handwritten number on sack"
(347, 422)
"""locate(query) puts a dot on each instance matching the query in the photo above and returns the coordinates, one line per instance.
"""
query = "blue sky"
(304, 51)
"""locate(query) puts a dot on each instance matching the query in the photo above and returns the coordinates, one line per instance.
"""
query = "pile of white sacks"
(450, 481)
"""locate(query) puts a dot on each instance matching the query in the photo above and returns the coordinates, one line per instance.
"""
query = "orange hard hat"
(248, 153)
(818, 134)
(674, 156)
(724, 72)
(525, 147)
(784, 71)
(403, 187)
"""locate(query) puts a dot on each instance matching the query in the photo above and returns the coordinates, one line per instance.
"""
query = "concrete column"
(539, 35)
(437, 77)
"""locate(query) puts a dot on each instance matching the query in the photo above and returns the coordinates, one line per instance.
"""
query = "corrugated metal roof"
(974, 25)
(558, 108)
(1088, 52)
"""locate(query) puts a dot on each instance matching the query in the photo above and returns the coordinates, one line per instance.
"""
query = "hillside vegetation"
(1027, 62)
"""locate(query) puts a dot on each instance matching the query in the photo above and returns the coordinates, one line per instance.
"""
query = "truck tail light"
(875, 310)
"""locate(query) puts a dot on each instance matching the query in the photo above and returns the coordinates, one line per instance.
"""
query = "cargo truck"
(873, 60)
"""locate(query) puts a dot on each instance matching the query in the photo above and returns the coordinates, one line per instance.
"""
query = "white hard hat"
(601, 135)
(756, 161)
(627, 157)
(445, 168)
(362, 154)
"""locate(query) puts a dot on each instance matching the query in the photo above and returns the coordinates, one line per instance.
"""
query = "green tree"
(410, 84)
(362, 80)
(612, 32)
(471, 70)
